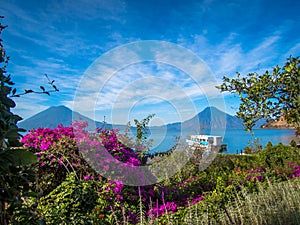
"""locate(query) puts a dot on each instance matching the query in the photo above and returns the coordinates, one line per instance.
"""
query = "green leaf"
(22, 157)
(28, 91)
(55, 88)
(43, 89)
(8, 102)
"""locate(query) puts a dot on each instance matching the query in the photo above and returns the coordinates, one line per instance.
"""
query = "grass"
(277, 204)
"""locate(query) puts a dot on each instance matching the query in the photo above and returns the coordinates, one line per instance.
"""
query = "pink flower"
(119, 187)
(87, 177)
(197, 199)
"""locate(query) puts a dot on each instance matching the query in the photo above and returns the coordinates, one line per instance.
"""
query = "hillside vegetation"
(261, 188)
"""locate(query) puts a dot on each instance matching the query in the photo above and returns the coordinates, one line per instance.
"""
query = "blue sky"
(68, 39)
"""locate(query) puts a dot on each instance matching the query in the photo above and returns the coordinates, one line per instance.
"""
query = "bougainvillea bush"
(57, 156)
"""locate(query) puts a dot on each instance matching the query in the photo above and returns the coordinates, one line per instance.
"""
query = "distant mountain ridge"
(210, 117)
(54, 116)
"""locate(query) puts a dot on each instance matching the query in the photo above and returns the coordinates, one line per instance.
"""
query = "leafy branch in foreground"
(16, 177)
(42, 91)
(269, 95)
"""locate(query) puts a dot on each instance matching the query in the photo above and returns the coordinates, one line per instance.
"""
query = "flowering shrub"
(183, 193)
(160, 210)
(57, 154)
(73, 149)
(295, 170)
(65, 150)
(109, 157)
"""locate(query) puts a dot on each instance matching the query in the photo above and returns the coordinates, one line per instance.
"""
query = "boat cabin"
(205, 140)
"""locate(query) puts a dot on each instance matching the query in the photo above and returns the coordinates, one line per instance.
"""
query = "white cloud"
(232, 55)
(294, 51)
(169, 78)
(29, 105)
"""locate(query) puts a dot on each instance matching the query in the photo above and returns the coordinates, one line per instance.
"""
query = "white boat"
(206, 141)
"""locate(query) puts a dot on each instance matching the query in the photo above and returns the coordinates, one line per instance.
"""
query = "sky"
(127, 59)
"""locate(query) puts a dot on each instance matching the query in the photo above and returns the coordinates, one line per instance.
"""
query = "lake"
(236, 139)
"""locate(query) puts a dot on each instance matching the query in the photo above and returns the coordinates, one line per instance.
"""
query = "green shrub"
(72, 202)
(293, 143)
(221, 163)
(253, 147)
(278, 156)
(244, 162)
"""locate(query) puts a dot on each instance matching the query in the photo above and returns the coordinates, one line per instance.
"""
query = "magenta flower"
(87, 177)
(119, 187)
(258, 178)
(295, 173)
(197, 199)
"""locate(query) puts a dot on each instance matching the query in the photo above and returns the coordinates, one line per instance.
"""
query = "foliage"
(208, 192)
(275, 204)
(109, 157)
(140, 143)
(278, 156)
(268, 95)
(282, 160)
(253, 147)
(8, 121)
(141, 127)
(15, 180)
(72, 202)
(73, 149)
(88, 202)
(57, 154)
(232, 192)
(243, 161)
(269, 144)
(293, 143)
(65, 150)
(221, 163)
(41, 91)
(15, 177)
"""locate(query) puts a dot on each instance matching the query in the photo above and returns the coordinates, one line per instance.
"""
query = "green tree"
(293, 143)
(269, 144)
(141, 127)
(139, 143)
(269, 95)
(142, 145)
(15, 175)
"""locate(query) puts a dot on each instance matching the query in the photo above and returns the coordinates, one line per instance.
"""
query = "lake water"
(236, 139)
